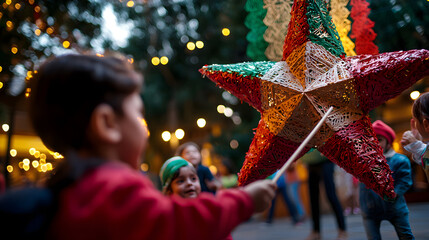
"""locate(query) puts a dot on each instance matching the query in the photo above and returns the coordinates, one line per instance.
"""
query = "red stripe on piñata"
(362, 28)
(356, 150)
(381, 77)
(298, 28)
(267, 153)
(245, 88)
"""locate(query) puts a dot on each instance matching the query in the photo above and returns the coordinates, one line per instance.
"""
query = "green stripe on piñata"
(322, 29)
(255, 37)
(242, 79)
(246, 69)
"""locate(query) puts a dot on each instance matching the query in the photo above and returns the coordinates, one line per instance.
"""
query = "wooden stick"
(299, 149)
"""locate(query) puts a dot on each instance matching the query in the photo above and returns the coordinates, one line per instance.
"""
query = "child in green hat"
(179, 177)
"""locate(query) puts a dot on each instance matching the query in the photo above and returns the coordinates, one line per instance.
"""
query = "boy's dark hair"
(182, 147)
(421, 107)
(68, 88)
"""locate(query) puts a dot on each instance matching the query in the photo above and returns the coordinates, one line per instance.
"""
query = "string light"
(199, 44)
(144, 167)
(37, 9)
(190, 46)
(50, 30)
(180, 134)
(226, 32)
(1, 85)
(155, 61)
(201, 122)
(166, 136)
(1, 68)
(9, 168)
(58, 156)
(130, 3)
(228, 112)
(29, 75)
(35, 163)
(13, 152)
(14, 49)
(32, 151)
(8, 2)
(164, 60)
(66, 44)
(5, 127)
(17, 6)
(37, 32)
(221, 109)
(31, 2)
(26, 167)
(27, 92)
(9, 25)
(233, 144)
(44, 168)
(414, 95)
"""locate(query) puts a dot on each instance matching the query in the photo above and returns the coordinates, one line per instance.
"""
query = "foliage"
(175, 94)
(33, 30)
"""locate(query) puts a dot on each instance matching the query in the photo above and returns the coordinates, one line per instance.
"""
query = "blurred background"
(167, 41)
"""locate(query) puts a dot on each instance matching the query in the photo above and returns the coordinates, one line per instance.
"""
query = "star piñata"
(314, 74)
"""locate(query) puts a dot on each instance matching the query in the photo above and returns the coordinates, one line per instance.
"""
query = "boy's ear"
(104, 124)
(426, 125)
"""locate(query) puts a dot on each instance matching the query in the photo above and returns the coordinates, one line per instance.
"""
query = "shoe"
(342, 235)
(314, 236)
(356, 211)
(347, 211)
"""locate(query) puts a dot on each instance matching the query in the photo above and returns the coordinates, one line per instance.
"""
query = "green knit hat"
(170, 167)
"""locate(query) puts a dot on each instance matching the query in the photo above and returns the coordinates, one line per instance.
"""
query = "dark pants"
(289, 204)
(324, 171)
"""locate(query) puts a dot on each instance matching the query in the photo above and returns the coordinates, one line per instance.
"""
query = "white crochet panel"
(298, 91)
(277, 20)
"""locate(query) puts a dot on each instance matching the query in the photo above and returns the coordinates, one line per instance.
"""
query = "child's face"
(134, 131)
(192, 155)
(384, 144)
(187, 184)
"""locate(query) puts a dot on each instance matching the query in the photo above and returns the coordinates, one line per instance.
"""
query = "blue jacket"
(373, 206)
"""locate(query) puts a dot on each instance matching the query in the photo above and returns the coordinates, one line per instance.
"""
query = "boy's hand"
(262, 193)
(412, 135)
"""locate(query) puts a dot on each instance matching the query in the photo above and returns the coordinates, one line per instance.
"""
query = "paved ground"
(282, 228)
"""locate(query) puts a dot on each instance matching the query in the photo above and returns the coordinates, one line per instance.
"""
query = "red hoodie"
(116, 202)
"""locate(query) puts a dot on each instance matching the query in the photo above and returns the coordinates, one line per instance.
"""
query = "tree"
(400, 24)
(189, 34)
(33, 30)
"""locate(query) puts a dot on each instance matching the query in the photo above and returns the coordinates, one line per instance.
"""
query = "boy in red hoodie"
(89, 109)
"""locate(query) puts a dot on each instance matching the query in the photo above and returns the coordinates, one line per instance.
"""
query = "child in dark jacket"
(89, 109)
(190, 151)
(373, 208)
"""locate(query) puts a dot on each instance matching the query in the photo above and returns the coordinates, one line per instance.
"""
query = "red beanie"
(382, 129)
